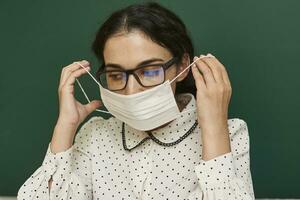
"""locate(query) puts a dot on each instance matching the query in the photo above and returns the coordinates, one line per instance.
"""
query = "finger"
(72, 67)
(71, 79)
(66, 71)
(223, 70)
(205, 70)
(93, 105)
(216, 70)
(200, 82)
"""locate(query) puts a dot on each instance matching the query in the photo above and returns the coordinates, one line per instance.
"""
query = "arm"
(70, 171)
(62, 139)
(228, 176)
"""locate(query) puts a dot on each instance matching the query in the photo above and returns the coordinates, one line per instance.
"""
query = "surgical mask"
(145, 110)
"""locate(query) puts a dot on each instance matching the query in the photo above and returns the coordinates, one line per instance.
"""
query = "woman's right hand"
(71, 111)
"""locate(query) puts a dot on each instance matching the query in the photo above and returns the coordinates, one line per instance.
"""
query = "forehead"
(128, 49)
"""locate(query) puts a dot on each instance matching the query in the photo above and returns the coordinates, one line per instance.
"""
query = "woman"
(163, 142)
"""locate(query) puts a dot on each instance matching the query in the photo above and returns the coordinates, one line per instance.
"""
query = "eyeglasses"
(147, 75)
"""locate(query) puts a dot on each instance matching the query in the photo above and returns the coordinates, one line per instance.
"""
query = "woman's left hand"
(213, 97)
(213, 91)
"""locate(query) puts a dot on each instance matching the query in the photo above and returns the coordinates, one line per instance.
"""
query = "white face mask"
(145, 110)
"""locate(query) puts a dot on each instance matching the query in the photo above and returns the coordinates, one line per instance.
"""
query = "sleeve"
(70, 170)
(228, 176)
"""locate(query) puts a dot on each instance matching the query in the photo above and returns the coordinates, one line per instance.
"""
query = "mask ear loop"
(188, 68)
(87, 98)
(189, 110)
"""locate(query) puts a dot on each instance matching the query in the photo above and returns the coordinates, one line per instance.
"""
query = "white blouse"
(97, 166)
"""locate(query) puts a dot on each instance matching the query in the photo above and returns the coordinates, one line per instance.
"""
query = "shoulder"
(91, 124)
(87, 129)
(237, 126)
(97, 125)
(239, 135)
(89, 132)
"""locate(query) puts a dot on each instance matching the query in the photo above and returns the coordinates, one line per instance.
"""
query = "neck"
(182, 101)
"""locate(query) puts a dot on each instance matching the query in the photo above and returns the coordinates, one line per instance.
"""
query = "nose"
(132, 86)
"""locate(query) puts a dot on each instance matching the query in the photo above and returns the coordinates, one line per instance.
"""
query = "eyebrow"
(143, 63)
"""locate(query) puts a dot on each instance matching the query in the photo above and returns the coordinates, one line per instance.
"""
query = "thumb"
(93, 105)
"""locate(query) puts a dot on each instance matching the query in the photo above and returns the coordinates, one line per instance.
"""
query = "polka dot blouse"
(97, 166)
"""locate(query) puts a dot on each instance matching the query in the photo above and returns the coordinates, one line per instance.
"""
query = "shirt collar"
(171, 132)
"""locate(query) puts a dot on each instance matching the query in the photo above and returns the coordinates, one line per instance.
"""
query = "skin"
(128, 50)
(213, 97)
(137, 47)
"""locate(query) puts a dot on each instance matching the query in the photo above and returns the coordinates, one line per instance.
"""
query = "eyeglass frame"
(165, 66)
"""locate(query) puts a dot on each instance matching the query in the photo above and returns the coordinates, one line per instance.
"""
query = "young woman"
(169, 137)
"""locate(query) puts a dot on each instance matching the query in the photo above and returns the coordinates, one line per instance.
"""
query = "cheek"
(171, 73)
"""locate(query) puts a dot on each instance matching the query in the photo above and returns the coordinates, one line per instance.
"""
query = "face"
(128, 50)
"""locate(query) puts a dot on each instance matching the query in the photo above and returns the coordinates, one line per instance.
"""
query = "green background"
(257, 41)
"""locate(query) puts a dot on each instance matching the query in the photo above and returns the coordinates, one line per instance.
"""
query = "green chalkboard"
(257, 41)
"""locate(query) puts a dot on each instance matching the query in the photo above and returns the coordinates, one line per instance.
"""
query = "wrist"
(61, 124)
(217, 129)
(63, 137)
(215, 140)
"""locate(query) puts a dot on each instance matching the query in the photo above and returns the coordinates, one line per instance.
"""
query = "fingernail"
(85, 61)
(195, 57)
(201, 56)
(210, 55)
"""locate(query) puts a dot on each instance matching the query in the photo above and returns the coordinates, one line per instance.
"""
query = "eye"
(151, 71)
(115, 75)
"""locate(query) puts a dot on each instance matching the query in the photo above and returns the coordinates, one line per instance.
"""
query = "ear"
(185, 61)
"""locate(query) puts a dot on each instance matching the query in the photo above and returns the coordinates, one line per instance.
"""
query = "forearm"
(62, 138)
(215, 141)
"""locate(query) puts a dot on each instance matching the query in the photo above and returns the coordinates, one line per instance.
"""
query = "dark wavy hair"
(160, 24)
